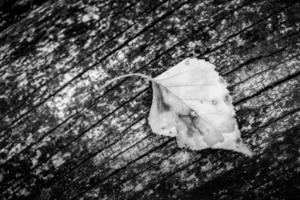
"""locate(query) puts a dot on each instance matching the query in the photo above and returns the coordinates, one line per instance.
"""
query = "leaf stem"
(127, 75)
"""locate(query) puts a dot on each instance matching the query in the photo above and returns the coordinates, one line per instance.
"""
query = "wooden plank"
(61, 138)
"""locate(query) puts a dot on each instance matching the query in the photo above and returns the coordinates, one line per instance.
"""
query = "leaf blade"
(198, 111)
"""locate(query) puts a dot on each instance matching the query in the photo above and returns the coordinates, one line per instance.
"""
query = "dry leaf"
(191, 102)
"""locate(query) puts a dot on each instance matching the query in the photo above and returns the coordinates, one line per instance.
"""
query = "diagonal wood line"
(148, 166)
(24, 19)
(119, 169)
(65, 176)
(267, 87)
(251, 26)
(261, 20)
(268, 69)
(255, 59)
(234, 195)
(12, 26)
(248, 162)
(287, 36)
(81, 60)
(273, 120)
(181, 167)
(280, 39)
(5, 30)
(109, 159)
(151, 185)
(141, 140)
(91, 155)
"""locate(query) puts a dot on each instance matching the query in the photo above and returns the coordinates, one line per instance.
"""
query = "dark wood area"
(63, 138)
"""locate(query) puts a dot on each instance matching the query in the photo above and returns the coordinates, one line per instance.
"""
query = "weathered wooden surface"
(62, 138)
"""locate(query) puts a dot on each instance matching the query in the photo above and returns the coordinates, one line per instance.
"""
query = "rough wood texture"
(62, 138)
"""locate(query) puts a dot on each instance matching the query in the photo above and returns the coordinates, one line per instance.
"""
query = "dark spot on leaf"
(191, 122)
(162, 106)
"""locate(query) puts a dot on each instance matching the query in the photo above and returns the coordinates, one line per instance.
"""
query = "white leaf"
(191, 102)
